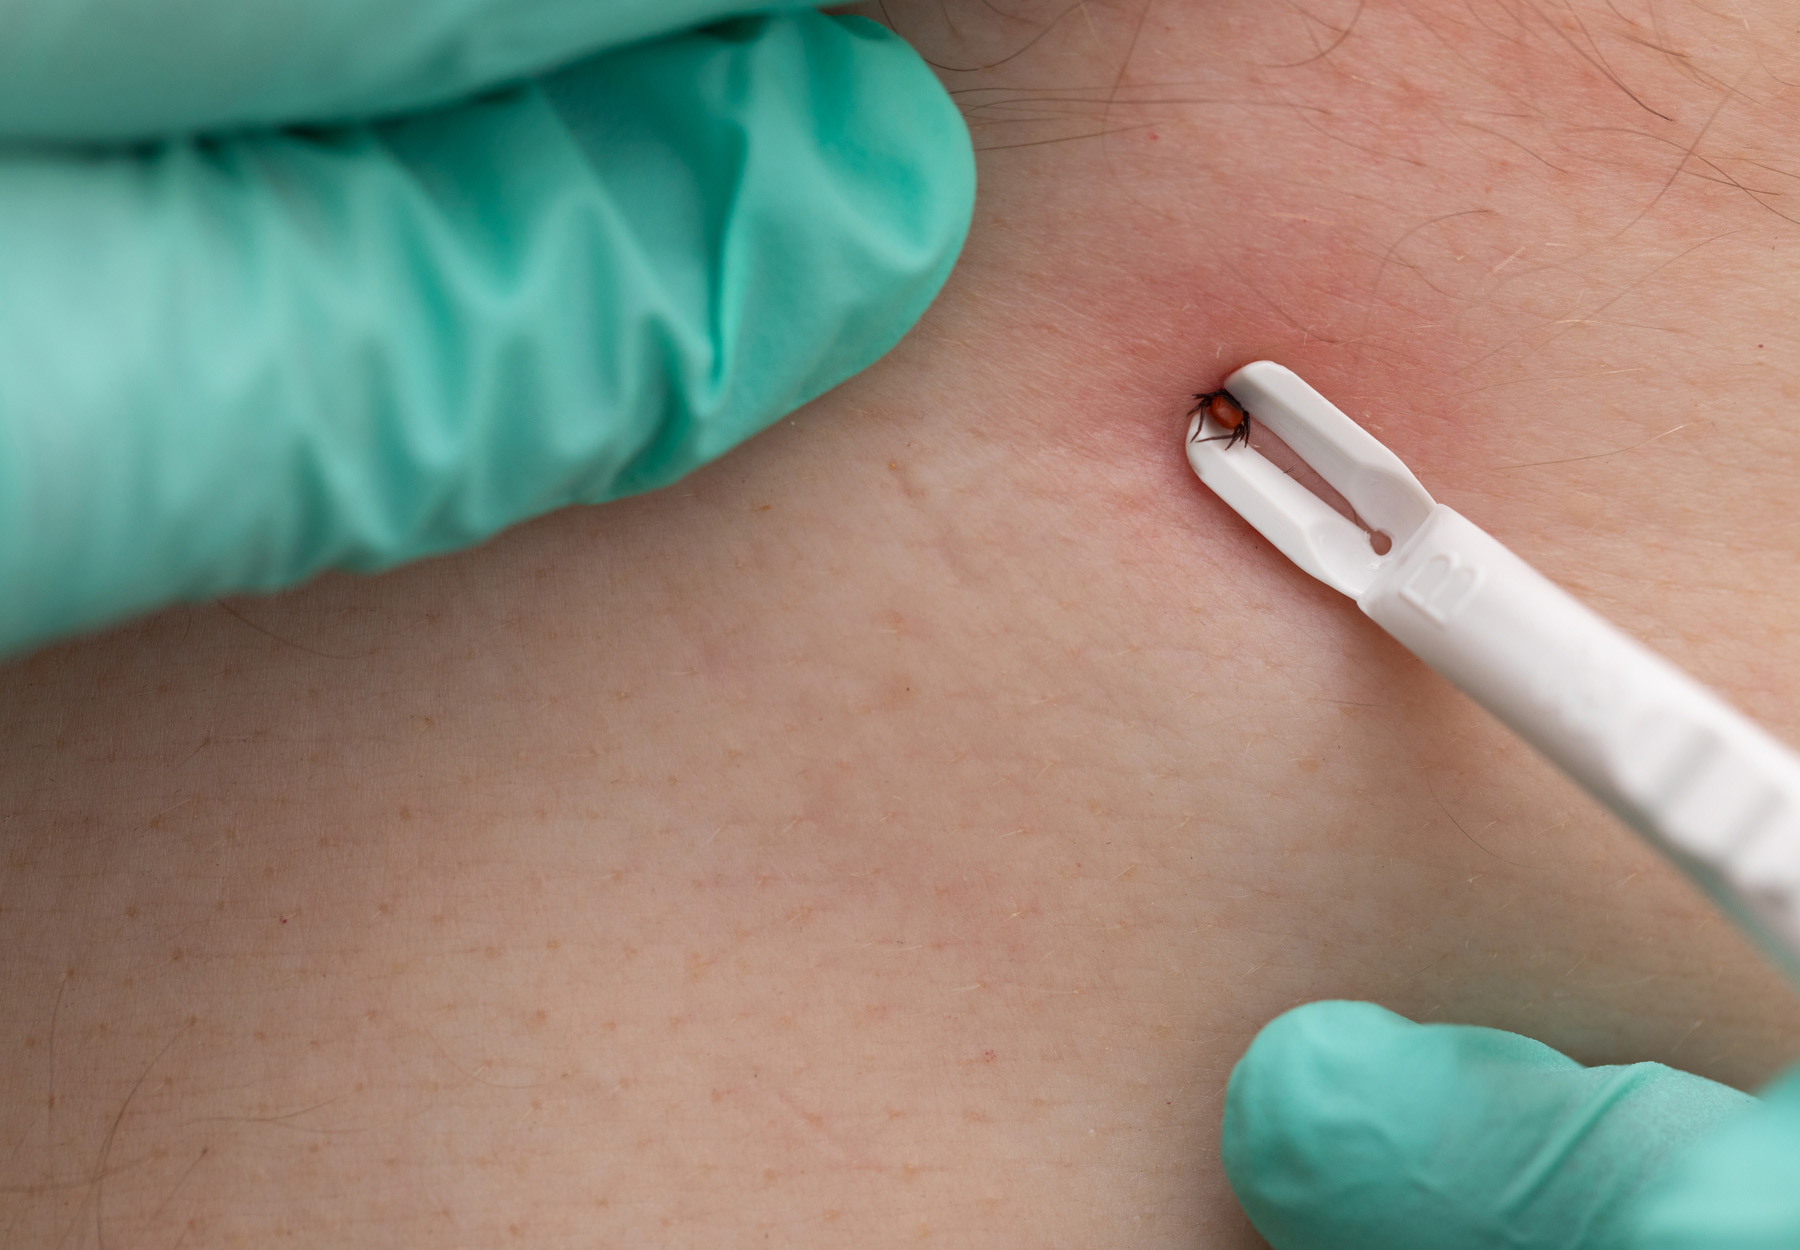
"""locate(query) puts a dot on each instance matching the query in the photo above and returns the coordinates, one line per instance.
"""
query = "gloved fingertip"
(838, 185)
(1349, 1127)
(1306, 1134)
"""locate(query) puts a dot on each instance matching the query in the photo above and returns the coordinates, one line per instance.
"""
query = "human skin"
(894, 832)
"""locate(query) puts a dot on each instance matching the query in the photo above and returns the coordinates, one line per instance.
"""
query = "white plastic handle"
(1669, 757)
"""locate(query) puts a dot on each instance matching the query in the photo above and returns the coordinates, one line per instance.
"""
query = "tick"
(1222, 408)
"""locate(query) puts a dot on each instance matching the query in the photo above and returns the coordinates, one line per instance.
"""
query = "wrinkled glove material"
(146, 69)
(229, 363)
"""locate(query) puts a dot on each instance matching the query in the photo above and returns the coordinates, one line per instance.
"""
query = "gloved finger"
(1739, 1189)
(227, 366)
(1348, 1127)
(110, 69)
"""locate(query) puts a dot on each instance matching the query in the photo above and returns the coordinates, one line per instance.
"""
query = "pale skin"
(895, 832)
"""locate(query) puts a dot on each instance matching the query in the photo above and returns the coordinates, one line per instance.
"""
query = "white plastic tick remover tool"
(1672, 759)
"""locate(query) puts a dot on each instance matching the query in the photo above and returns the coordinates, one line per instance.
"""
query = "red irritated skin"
(896, 831)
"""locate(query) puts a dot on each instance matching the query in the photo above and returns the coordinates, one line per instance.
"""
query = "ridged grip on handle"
(1669, 757)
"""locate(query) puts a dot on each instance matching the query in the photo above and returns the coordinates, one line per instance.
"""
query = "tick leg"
(1232, 439)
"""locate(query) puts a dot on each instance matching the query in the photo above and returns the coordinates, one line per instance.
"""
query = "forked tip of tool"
(1385, 495)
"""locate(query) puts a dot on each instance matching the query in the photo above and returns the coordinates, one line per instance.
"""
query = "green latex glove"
(1348, 1127)
(234, 357)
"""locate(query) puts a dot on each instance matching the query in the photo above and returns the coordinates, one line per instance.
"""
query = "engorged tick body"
(1230, 415)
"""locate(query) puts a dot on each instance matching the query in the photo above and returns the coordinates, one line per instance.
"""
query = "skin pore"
(895, 832)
